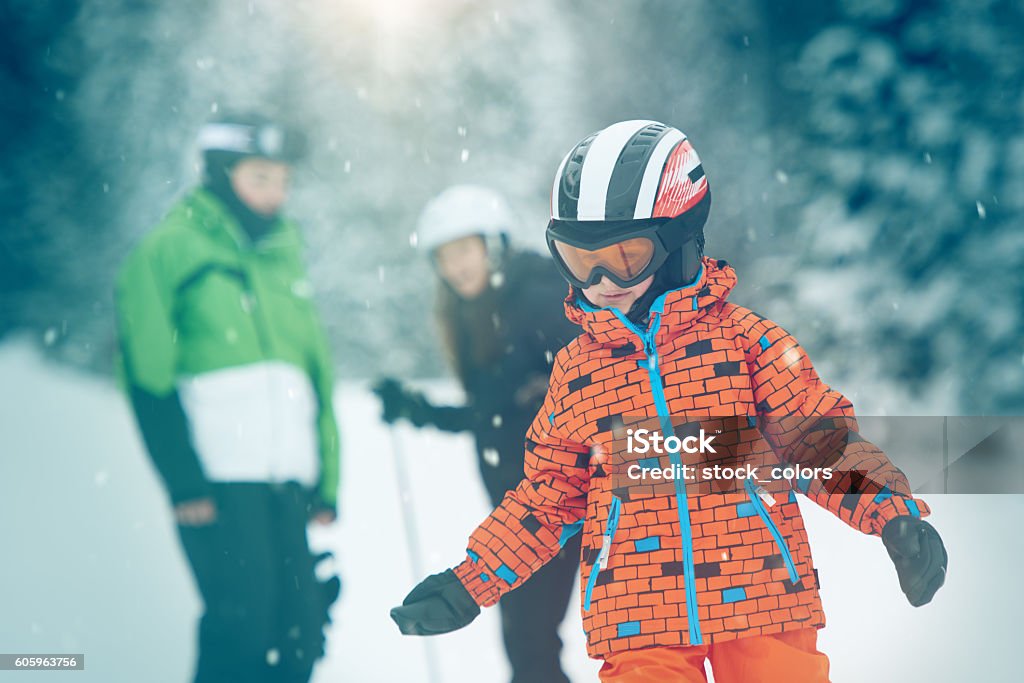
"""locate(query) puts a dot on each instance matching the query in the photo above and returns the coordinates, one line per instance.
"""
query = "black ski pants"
(264, 611)
(531, 615)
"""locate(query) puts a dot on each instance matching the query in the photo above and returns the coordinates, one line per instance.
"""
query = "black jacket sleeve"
(451, 418)
(164, 428)
(144, 301)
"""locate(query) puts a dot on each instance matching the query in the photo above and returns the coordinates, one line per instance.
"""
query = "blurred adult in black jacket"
(501, 323)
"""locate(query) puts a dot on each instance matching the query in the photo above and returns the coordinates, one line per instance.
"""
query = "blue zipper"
(610, 527)
(647, 337)
(758, 504)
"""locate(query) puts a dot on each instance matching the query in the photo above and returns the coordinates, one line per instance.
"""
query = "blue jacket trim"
(568, 531)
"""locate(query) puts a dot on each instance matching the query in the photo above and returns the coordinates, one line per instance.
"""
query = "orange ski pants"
(790, 657)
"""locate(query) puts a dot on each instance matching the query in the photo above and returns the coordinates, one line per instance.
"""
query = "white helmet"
(460, 211)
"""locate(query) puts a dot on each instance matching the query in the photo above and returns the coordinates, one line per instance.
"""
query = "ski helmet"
(230, 138)
(464, 210)
(626, 201)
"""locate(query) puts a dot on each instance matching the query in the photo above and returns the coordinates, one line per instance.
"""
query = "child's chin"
(620, 303)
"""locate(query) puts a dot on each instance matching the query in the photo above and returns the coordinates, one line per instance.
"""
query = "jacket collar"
(204, 209)
(675, 310)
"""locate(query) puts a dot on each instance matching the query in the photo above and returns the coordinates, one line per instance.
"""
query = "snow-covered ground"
(89, 561)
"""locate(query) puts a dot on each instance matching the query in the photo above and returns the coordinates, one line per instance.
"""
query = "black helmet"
(230, 138)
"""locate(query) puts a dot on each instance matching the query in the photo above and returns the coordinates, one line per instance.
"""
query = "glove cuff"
(885, 510)
(479, 582)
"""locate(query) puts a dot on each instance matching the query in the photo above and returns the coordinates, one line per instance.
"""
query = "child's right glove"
(920, 558)
(439, 604)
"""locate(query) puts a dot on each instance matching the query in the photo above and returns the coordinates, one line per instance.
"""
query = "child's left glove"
(439, 604)
(920, 558)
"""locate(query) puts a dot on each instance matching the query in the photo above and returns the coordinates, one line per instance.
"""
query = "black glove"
(920, 558)
(400, 402)
(329, 589)
(439, 604)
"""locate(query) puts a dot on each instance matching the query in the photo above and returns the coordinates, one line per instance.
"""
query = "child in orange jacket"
(676, 569)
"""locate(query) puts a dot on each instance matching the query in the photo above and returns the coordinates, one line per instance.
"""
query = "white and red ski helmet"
(626, 200)
(631, 170)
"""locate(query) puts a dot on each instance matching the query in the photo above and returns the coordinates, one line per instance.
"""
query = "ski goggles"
(626, 252)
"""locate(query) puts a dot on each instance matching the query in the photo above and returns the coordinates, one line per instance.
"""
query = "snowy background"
(867, 160)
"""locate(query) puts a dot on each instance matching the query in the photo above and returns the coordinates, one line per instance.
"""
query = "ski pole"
(411, 538)
(945, 454)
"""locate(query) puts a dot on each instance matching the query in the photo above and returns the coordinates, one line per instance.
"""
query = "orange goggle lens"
(625, 259)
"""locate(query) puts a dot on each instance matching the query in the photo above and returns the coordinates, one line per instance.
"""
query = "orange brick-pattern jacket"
(678, 568)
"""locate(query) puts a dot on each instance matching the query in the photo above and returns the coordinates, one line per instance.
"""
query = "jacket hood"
(677, 308)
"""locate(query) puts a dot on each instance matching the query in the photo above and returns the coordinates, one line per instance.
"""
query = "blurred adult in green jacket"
(230, 380)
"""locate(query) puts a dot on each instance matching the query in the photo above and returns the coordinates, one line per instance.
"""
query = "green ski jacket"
(223, 354)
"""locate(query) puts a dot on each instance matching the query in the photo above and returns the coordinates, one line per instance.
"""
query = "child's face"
(607, 294)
